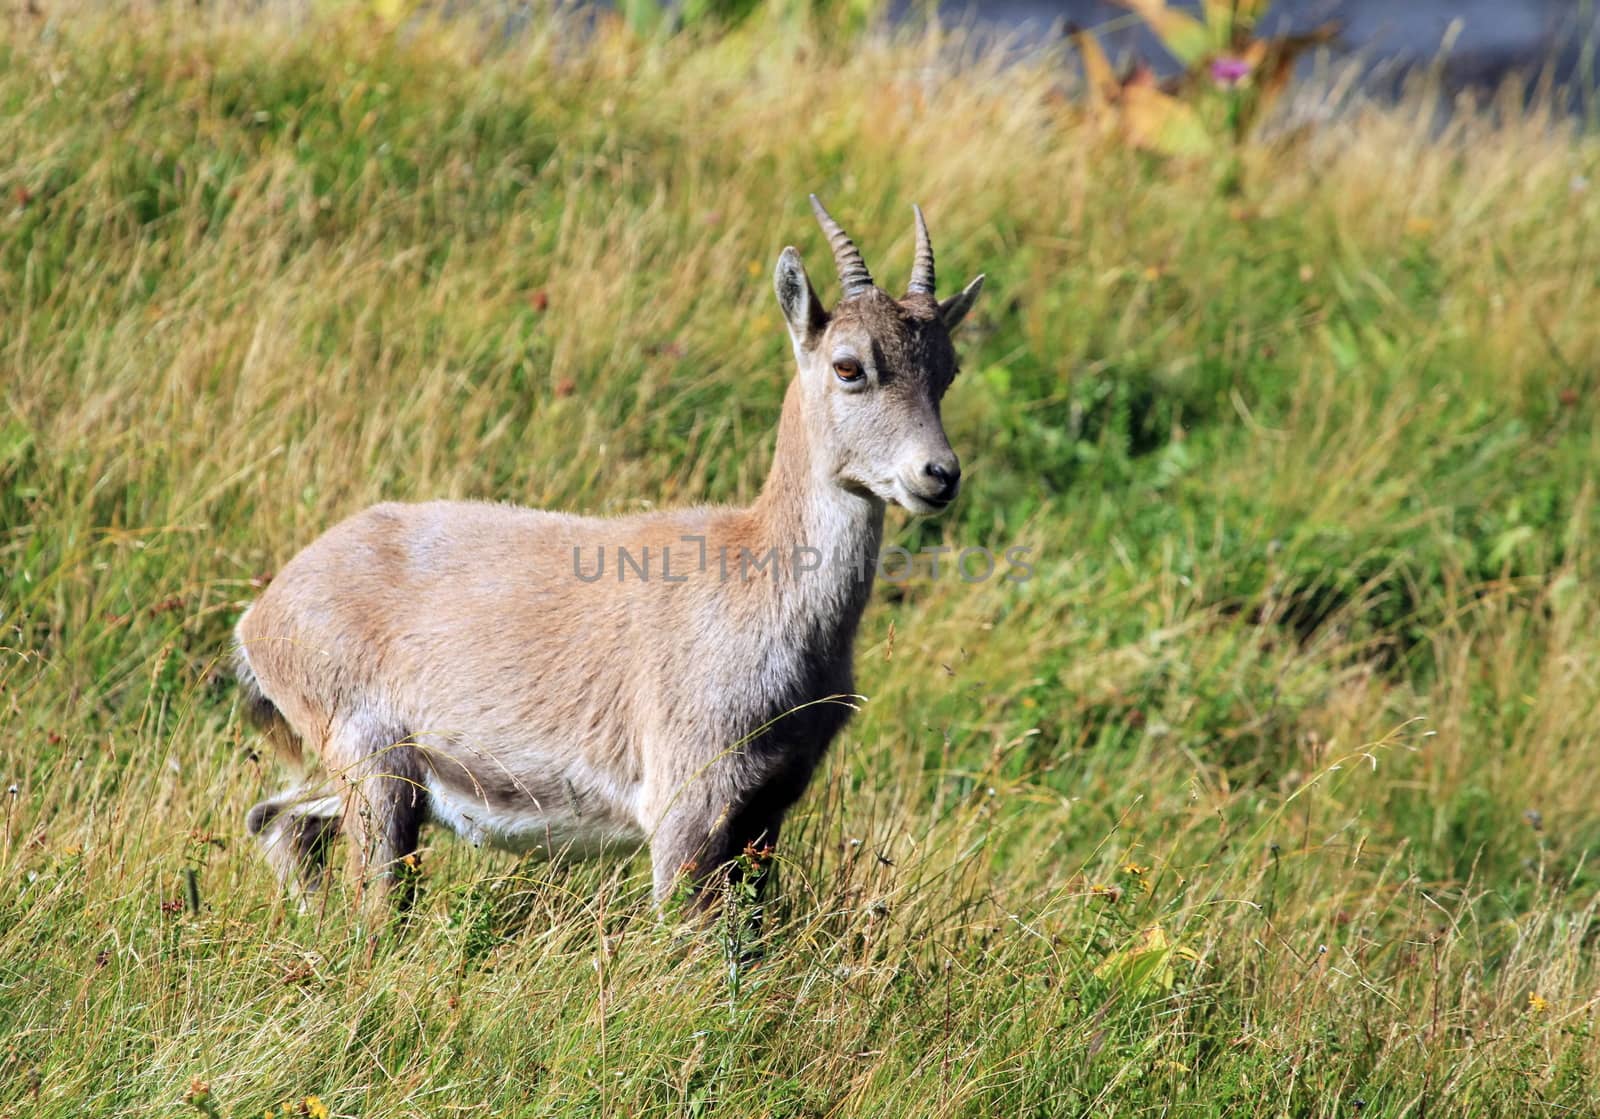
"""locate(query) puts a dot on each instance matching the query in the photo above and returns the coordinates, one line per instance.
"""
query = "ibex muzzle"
(464, 664)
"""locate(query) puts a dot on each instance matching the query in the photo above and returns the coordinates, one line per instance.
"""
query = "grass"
(1272, 792)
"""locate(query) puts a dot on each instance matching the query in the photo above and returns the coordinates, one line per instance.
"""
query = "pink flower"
(1229, 72)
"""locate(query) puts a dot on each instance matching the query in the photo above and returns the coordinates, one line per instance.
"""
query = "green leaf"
(1186, 38)
(1147, 965)
(1164, 124)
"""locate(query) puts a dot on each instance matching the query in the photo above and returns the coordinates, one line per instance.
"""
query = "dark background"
(1389, 37)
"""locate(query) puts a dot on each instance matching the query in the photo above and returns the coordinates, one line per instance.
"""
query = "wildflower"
(1101, 890)
(1537, 1003)
(315, 1108)
(199, 1097)
(1228, 72)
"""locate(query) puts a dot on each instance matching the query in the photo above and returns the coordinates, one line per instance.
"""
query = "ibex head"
(873, 370)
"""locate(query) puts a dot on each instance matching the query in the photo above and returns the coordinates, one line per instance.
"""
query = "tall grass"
(1271, 793)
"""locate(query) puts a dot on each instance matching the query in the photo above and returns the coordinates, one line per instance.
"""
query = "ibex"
(463, 663)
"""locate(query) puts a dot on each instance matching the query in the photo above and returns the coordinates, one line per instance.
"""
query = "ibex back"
(567, 685)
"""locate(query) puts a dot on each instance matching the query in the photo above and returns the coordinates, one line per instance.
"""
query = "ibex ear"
(954, 309)
(802, 310)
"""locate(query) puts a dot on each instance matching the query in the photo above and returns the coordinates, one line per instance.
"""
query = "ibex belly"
(554, 817)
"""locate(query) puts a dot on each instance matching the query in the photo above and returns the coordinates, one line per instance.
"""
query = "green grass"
(1307, 676)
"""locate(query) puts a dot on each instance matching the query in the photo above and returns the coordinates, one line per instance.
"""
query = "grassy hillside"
(1273, 792)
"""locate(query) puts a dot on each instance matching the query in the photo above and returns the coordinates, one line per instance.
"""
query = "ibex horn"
(853, 272)
(922, 266)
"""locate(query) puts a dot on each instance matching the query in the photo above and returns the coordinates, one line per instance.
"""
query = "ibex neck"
(824, 536)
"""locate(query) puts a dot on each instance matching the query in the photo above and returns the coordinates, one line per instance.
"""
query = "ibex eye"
(848, 369)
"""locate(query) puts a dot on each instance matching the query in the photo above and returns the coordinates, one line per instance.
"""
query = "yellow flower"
(316, 1108)
(1537, 1003)
(1140, 876)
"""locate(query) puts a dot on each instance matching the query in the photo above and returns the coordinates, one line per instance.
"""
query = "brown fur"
(446, 661)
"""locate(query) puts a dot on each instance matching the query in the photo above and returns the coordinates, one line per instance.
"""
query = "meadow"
(1272, 792)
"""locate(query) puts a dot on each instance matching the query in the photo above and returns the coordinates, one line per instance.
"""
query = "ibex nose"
(947, 475)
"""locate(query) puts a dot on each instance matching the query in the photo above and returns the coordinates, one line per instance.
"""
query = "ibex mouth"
(922, 504)
(915, 497)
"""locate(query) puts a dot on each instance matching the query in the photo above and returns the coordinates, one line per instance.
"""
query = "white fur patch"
(326, 808)
(552, 830)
